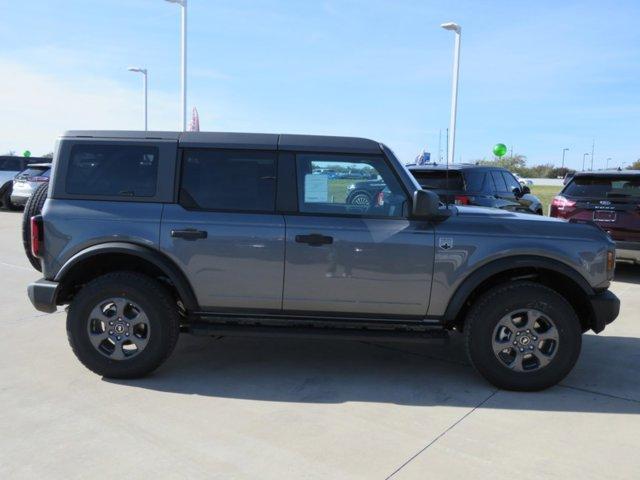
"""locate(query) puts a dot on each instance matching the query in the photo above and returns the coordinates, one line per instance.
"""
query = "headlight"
(351, 187)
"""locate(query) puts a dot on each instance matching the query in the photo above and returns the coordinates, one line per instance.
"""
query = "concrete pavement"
(248, 408)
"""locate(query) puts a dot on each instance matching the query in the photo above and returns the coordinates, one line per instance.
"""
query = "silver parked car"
(26, 182)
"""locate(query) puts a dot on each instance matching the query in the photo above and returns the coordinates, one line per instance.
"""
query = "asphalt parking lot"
(247, 408)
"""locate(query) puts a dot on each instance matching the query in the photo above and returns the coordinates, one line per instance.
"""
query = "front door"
(224, 232)
(347, 257)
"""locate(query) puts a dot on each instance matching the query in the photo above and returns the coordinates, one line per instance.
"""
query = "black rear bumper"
(605, 307)
(42, 294)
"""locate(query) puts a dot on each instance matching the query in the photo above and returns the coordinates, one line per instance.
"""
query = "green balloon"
(26, 153)
(499, 149)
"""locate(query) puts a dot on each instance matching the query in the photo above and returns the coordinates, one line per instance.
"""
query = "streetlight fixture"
(564, 150)
(454, 88)
(183, 4)
(143, 71)
(583, 158)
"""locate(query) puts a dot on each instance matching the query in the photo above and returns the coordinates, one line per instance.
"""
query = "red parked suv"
(611, 199)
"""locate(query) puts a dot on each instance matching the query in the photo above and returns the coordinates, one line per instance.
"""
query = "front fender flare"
(475, 279)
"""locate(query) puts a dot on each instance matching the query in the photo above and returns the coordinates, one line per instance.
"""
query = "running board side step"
(387, 335)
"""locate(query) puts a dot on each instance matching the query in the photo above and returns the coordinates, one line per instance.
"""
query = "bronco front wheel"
(523, 336)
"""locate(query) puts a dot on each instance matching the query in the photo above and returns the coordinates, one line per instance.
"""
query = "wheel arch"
(556, 275)
(111, 256)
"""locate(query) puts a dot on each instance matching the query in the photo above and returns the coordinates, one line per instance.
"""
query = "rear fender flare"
(155, 257)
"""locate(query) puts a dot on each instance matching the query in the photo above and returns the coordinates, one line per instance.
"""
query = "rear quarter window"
(113, 170)
(475, 180)
(437, 179)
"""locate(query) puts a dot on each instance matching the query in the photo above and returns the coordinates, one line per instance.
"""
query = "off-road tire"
(33, 207)
(6, 199)
(159, 306)
(487, 311)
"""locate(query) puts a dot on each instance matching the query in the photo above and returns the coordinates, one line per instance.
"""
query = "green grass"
(545, 194)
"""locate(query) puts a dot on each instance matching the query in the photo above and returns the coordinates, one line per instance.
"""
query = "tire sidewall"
(139, 364)
(489, 313)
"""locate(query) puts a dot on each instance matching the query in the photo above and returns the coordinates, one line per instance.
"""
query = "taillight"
(36, 235)
(462, 200)
(562, 203)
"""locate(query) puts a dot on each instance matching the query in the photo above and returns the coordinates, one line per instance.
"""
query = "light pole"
(451, 145)
(583, 158)
(608, 163)
(143, 71)
(564, 150)
(183, 4)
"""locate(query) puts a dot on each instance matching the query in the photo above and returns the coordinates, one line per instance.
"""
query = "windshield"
(614, 186)
(437, 179)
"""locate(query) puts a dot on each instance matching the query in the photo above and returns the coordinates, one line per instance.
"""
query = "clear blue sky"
(535, 75)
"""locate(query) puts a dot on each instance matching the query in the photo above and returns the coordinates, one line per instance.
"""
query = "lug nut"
(127, 334)
(111, 323)
(531, 347)
(127, 324)
(515, 343)
(110, 332)
(522, 349)
(118, 337)
(535, 338)
(528, 331)
(517, 333)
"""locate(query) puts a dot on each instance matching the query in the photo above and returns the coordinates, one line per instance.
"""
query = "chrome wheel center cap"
(119, 328)
(525, 340)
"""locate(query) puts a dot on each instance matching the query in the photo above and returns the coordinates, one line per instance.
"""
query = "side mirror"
(525, 190)
(425, 204)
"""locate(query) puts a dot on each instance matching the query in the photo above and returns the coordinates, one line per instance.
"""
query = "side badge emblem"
(445, 243)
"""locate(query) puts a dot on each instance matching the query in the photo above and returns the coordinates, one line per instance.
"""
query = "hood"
(504, 222)
(503, 214)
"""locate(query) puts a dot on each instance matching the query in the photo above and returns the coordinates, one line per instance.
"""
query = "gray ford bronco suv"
(148, 234)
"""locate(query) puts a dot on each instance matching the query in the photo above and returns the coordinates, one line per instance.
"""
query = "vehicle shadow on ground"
(321, 371)
(627, 273)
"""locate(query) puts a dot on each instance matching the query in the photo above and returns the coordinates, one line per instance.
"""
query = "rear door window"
(439, 179)
(475, 181)
(113, 170)
(501, 186)
(231, 180)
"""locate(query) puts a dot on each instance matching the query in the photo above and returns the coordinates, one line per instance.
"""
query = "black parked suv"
(481, 185)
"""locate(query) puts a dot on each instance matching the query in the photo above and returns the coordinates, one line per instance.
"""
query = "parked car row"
(19, 176)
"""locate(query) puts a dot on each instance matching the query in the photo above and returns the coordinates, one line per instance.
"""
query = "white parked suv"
(10, 166)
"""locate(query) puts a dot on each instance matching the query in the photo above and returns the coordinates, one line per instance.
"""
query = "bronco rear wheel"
(523, 336)
(123, 325)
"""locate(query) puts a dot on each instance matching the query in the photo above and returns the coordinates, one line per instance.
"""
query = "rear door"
(353, 259)
(224, 232)
(505, 198)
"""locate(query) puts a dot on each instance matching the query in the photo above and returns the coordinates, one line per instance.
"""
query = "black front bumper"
(43, 294)
(606, 307)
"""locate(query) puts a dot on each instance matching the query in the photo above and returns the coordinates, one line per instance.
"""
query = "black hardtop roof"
(608, 173)
(453, 166)
(261, 141)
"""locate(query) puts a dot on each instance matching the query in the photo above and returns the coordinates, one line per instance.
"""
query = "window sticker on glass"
(316, 188)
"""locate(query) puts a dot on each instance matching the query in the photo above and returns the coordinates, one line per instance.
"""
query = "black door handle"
(189, 234)
(315, 239)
